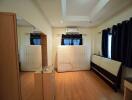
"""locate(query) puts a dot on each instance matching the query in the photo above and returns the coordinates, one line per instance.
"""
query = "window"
(67, 41)
(109, 45)
(76, 41)
(71, 39)
(35, 39)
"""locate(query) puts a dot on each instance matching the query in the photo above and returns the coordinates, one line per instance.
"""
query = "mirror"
(37, 79)
(30, 56)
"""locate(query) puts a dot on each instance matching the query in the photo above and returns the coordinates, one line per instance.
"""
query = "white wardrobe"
(72, 58)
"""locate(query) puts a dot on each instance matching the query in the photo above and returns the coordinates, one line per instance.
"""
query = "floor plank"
(83, 85)
(80, 85)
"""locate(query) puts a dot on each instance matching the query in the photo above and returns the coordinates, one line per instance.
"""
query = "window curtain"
(128, 60)
(116, 42)
(62, 39)
(124, 41)
(121, 49)
(105, 42)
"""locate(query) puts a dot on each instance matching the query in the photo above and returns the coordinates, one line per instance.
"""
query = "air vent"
(72, 30)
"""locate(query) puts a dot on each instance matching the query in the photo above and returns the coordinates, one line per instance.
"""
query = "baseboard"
(29, 69)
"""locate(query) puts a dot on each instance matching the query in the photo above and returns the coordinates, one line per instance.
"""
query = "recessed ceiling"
(81, 10)
(82, 13)
(76, 7)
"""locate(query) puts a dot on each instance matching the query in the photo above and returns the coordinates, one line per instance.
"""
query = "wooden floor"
(83, 85)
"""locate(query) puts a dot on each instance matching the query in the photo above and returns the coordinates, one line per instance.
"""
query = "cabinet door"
(9, 67)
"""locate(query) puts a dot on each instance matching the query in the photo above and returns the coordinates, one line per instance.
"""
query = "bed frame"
(112, 80)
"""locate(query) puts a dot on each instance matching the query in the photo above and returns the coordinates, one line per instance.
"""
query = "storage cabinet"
(9, 67)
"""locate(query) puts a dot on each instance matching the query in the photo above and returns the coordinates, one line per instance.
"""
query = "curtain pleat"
(105, 42)
(128, 61)
(116, 42)
(62, 39)
(124, 41)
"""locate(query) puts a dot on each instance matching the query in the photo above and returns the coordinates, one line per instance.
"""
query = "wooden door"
(9, 67)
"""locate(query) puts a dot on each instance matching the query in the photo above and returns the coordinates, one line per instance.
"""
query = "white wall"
(23, 35)
(29, 11)
(30, 55)
(87, 41)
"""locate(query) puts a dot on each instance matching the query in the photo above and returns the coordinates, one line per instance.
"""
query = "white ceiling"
(23, 22)
(76, 7)
(82, 13)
